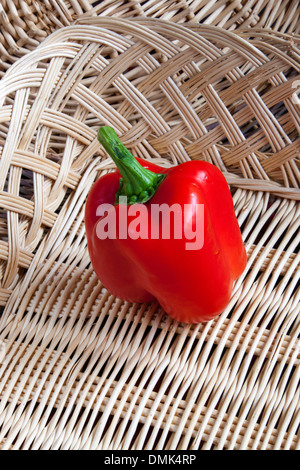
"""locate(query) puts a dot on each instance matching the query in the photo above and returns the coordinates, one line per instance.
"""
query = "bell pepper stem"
(138, 184)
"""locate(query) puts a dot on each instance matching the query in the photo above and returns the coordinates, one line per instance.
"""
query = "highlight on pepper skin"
(165, 234)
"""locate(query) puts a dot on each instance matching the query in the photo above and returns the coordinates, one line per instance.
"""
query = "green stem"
(137, 183)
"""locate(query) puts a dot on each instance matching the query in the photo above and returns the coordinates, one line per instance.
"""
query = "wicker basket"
(82, 369)
(25, 23)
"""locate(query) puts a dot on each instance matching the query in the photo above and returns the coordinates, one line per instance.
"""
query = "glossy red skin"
(191, 285)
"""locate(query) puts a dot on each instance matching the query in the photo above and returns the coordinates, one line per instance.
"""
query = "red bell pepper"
(192, 280)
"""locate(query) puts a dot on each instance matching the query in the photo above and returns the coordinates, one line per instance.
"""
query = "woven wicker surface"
(81, 369)
(25, 23)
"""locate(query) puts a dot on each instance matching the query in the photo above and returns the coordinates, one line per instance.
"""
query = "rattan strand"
(25, 23)
(83, 370)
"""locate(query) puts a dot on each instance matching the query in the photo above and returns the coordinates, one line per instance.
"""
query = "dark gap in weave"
(57, 142)
(27, 184)
(87, 419)
(289, 331)
(67, 194)
(297, 430)
(74, 355)
(132, 373)
(292, 237)
(224, 141)
(279, 110)
(54, 157)
(94, 4)
(8, 404)
(292, 373)
(278, 281)
(260, 417)
(185, 395)
(250, 127)
(265, 227)
(266, 149)
(191, 444)
(273, 318)
(273, 24)
(232, 310)
(109, 359)
(52, 415)
(3, 226)
(157, 438)
(276, 284)
(85, 366)
(139, 429)
(246, 220)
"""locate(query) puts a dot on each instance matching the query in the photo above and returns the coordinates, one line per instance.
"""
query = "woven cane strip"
(83, 370)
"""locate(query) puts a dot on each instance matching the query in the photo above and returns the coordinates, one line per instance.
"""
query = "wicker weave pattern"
(25, 23)
(83, 369)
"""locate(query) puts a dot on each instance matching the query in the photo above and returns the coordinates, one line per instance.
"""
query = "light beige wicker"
(83, 370)
(25, 23)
